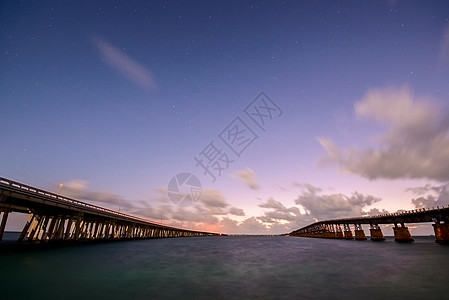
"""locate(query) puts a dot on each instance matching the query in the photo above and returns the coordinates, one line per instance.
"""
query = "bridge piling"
(376, 233)
(68, 228)
(338, 232)
(35, 228)
(347, 232)
(441, 233)
(26, 227)
(401, 234)
(359, 233)
(3, 222)
(51, 229)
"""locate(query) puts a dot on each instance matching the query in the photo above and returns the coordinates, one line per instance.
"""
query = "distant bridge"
(332, 228)
(53, 217)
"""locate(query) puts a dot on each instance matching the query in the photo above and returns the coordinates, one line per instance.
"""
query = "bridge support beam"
(441, 233)
(401, 234)
(338, 232)
(26, 227)
(3, 223)
(347, 232)
(330, 231)
(376, 233)
(359, 233)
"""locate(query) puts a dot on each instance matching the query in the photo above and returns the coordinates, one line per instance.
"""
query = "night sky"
(297, 110)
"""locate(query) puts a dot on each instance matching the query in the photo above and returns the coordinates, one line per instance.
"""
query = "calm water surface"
(230, 268)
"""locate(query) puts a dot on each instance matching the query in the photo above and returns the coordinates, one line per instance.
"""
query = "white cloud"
(213, 199)
(431, 196)
(253, 226)
(124, 64)
(332, 206)
(248, 176)
(416, 144)
(73, 188)
(78, 189)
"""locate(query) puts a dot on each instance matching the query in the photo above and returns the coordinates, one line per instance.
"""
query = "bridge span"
(333, 228)
(54, 217)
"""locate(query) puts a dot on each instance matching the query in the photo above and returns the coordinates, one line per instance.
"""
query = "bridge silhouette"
(53, 217)
(332, 228)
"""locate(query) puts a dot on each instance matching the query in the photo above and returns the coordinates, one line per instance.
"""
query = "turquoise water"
(230, 268)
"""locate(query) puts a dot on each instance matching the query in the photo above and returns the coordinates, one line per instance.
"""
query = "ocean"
(234, 267)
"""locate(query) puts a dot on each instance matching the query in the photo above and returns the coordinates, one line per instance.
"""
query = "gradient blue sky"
(114, 98)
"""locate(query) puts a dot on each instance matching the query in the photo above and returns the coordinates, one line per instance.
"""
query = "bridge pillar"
(77, 229)
(26, 227)
(401, 233)
(338, 232)
(441, 233)
(51, 229)
(359, 233)
(68, 230)
(59, 229)
(347, 232)
(107, 231)
(3, 223)
(330, 231)
(376, 233)
(35, 229)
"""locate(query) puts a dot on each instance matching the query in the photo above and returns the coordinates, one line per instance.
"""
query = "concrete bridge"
(53, 217)
(333, 228)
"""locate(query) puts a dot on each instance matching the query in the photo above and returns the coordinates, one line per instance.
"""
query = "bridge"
(333, 228)
(53, 217)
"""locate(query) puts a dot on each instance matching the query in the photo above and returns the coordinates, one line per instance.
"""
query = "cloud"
(213, 199)
(73, 188)
(249, 226)
(236, 211)
(331, 206)
(416, 144)
(281, 219)
(376, 212)
(185, 214)
(253, 226)
(209, 213)
(213, 212)
(431, 196)
(279, 211)
(248, 176)
(159, 213)
(78, 189)
(124, 64)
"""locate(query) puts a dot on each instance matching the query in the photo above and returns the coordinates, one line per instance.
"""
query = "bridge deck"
(55, 217)
(332, 228)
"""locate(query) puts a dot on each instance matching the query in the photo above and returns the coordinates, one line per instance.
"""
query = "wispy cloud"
(248, 176)
(78, 189)
(124, 64)
(416, 144)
